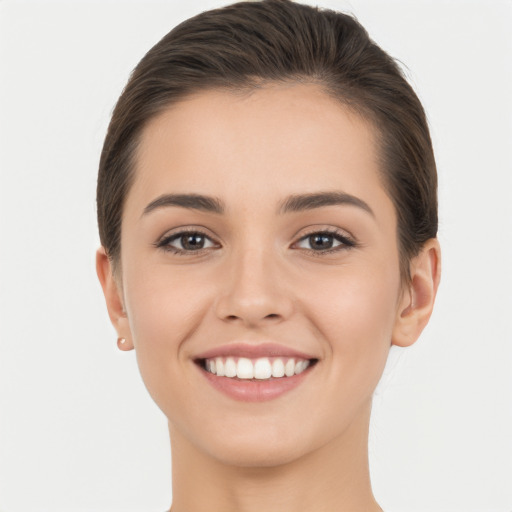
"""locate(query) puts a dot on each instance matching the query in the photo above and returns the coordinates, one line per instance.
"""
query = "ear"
(114, 300)
(417, 302)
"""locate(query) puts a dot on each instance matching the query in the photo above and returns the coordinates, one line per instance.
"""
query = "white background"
(78, 431)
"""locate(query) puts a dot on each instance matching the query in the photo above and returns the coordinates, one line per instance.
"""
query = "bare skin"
(256, 274)
(303, 485)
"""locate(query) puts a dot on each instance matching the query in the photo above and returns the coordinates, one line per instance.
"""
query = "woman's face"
(257, 228)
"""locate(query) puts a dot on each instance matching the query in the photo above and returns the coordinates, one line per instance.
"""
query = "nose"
(254, 290)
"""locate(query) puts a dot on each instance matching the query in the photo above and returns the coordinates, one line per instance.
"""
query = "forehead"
(279, 139)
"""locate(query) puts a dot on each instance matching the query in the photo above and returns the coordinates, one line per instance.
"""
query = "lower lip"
(254, 390)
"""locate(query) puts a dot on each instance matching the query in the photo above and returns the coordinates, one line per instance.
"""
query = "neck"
(332, 478)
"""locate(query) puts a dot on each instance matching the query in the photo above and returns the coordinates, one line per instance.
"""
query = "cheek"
(163, 308)
(356, 317)
(163, 302)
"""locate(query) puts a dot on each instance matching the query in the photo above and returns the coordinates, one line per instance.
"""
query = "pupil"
(321, 241)
(192, 242)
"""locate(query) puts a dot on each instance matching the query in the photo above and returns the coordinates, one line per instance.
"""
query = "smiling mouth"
(259, 369)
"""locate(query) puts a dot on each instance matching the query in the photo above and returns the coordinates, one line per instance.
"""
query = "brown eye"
(186, 242)
(324, 241)
(321, 241)
(192, 242)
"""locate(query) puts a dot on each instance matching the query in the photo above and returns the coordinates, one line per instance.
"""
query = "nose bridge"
(253, 289)
(252, 269)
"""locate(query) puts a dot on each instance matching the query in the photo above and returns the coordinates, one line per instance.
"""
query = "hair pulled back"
(247, 44)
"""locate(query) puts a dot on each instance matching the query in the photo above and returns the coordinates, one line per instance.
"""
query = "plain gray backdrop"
(78, 431)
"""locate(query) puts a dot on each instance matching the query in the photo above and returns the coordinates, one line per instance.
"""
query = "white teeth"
(230, 367)
(300, 366)
(278, 368)
(261, 369)
(244, 369)
(210, 365)
(289, 368)
(219, 367)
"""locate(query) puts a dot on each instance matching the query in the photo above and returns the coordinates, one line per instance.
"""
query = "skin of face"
(258, 279)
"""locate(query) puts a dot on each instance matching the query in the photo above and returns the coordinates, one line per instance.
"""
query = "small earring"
(121, 342)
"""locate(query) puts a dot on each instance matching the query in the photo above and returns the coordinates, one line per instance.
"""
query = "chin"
(256, 455)
(262, 444)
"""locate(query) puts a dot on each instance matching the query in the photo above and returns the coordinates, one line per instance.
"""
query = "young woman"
(268, 216)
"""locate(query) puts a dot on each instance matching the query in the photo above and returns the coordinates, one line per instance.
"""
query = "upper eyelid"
(165, 242)
(180, 231)
(329, 230)
(343, 240)
(204, 231)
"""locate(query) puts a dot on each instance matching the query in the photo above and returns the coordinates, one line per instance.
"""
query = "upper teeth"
(262, 368)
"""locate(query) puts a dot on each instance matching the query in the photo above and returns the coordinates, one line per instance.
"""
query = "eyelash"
(346, 242)
(164, 242)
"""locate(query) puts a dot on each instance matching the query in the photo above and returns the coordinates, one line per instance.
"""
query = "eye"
(325, 241)
(186, 242)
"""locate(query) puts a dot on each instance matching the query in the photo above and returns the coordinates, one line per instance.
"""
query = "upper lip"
(252, 351)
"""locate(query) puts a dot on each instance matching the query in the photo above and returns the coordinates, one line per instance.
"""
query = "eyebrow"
(294, 203)
(301, 202)
(190, 201)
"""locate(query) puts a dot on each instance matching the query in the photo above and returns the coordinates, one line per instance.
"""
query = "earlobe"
(114, 300)
(418, 302)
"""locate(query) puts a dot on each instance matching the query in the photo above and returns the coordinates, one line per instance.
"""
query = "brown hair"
(244, 45)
